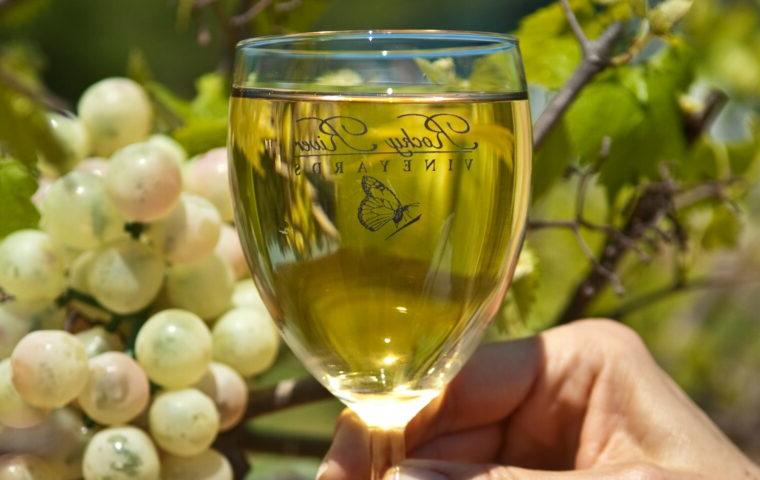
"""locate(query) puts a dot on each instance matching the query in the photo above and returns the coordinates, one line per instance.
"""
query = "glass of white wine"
(381, 183)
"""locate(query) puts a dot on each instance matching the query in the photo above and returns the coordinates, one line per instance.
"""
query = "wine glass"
(381, 182)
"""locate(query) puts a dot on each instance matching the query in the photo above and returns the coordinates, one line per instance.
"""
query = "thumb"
(436, 470)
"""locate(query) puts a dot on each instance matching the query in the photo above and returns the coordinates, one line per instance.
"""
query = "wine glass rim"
(483, 43)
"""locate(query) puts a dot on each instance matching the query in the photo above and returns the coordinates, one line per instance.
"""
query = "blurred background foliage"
(694, 300)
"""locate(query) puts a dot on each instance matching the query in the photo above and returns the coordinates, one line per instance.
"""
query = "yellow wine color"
(382, 231)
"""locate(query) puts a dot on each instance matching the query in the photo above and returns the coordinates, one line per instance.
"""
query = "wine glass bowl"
(381, 183)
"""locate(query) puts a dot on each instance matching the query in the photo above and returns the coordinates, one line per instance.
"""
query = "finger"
(490, 386)
(435, 470)
(477, 445)
(348, 457)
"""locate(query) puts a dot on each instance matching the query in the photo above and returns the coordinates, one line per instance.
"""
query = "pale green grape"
(49, 368)
(190, 232)
(144, 182)
(31, 267)
(26, 467)
(122, 453)
(72, 136)
(60, 439)
(174, 348)
(97, 340)
(245, 294)
(228, 247)
(183, 422)
(77, 212)
(208, 465)
(170, 146)
(79, 270)
(203, 287)
(125, 276)
(227, 389)
(14, 412)
(117, 389)
(14, 324)
(207, 175)
(95, 165)
(116, 112)
(246, 339)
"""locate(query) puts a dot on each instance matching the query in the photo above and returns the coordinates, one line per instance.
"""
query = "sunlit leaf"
(212, 98)
(521, 297)
(723, 230)
(604, 109)
(551, 160)
(494, 72)
(202, 134)
(24, 130)
(17, 185)
(667, 14)
(167, 100)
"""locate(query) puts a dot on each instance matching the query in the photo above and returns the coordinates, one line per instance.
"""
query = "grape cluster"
(129, 329)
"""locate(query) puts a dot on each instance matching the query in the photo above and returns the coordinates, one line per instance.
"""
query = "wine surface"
(382, 231)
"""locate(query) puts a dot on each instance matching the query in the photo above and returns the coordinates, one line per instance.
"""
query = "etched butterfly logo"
(381, 206)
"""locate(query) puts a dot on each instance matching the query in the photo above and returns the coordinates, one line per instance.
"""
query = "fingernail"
(411, 473)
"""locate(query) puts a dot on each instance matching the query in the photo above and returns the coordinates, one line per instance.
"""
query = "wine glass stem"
(387, 449)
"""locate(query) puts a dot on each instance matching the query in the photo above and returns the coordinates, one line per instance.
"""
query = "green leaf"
(550, 61)
(550, 50)
(167, 100)
(282, 467)
(25, 132)
(550, 53)
(639, 7)
(212, 98)
(17, 185)
(742, 157)
(701, 162)
(657, 135)
(551, 160)
(667, 14)
(634, 79)
(495, 72)
(202, 121)
(604, 108)
(521, 297)
(202, 134)
(723, 230)
(439, 72)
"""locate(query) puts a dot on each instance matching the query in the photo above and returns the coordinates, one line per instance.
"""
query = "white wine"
(382, 231)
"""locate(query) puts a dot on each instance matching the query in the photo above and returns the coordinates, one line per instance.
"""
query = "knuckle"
(644, 471)
(615, 337)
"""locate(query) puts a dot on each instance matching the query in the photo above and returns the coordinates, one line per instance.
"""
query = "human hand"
(584, 401)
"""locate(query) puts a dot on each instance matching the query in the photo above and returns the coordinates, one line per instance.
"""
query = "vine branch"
(676, 287)
(656, 201)
(285, 394)
(249, 14)
(575, 26)
(597, 55)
